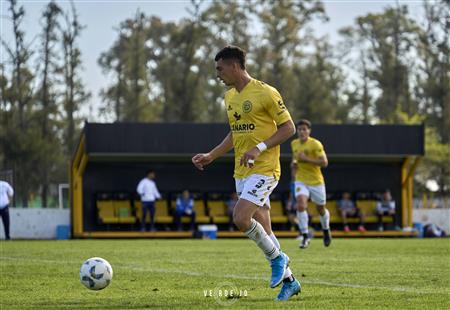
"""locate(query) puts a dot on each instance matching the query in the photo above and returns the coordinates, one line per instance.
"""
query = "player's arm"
(139, 188)
(293, 167)
(10, 192)
(157, 193)
(321, 161)
(203, 159)
(284, 132)
(294, 162)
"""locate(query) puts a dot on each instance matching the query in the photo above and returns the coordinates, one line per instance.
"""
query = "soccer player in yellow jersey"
(259, 123)
(308, 156)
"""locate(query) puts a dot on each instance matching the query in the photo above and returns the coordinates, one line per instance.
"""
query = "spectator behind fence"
(149, 193)
(230, 203)
(184, 207)
(6, 194)
(386, 206)
(348, 209)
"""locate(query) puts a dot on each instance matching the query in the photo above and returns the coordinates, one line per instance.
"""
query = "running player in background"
(308, 155)
(259, 123)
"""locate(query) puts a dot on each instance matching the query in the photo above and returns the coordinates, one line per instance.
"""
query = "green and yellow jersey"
(308, 173)
(254, 114)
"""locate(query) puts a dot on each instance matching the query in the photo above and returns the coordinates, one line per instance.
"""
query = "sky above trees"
(102, 18)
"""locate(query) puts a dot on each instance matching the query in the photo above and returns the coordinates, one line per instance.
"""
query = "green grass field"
(351, 274)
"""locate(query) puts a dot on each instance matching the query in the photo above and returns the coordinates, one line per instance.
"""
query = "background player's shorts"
(317, 192)
(256, 188)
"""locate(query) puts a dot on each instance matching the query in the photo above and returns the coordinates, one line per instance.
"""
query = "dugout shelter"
(111, 158)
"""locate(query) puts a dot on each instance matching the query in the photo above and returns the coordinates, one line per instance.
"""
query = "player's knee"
(241, 222)
(301, 205)
(321, 209)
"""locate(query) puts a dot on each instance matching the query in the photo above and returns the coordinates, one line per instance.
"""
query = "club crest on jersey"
(247, 106)
(237, 116)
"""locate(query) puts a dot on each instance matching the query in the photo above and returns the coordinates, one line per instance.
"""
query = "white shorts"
(316, 193)
(256, 188)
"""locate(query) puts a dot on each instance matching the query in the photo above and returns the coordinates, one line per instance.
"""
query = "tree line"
(39, 102)
(386, 68)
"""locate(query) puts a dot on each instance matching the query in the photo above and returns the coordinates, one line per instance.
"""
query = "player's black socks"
(305, 236)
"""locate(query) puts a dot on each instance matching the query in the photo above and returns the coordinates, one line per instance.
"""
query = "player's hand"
(248, 159)
(201, 160)
(302, 156)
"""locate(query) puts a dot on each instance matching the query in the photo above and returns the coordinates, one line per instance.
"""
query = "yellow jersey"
(254, 114)
(308, 173)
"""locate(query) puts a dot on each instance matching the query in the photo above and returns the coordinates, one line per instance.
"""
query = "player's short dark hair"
(148, 171)
(232, 52)
(304, 122)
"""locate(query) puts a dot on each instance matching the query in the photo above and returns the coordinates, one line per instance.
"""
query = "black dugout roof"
(161, 139)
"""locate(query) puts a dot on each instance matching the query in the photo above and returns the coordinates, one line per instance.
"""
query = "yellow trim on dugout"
(407, 175)
(77, 171)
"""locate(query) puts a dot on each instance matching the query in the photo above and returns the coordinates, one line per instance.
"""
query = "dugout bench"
(112, 158)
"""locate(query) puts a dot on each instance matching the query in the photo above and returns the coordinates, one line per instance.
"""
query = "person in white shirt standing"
(149, 193)
(6, 194)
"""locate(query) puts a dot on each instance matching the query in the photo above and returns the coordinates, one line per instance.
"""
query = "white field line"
(234, 276)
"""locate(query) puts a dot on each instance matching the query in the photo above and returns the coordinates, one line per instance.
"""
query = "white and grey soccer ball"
(96, 273)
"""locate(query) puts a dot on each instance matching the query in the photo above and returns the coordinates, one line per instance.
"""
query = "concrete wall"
(41, 223)
(35, 223)
(440, 217)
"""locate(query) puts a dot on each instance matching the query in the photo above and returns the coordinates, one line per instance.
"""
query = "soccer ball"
(96, 273)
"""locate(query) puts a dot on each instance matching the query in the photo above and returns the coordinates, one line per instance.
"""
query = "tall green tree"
(46, 98)
(127, 61)
(354, 60)
(387, 41)
(113, 63)
(74, 91)
(228, 23)
(433, 89)
(183, 88)
(224, 23)
(284, 37)
(172, 70)
(318, 87)
(20, 133)
(433, 92)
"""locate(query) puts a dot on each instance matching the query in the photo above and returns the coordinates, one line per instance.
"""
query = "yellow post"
(407, 189)
(405, 194)
(78, 166)
(77, 206)
(410, 200)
